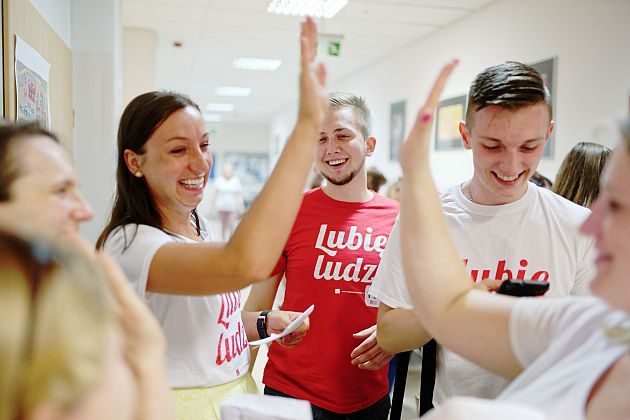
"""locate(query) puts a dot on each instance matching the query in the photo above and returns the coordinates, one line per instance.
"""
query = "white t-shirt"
(535, 237)
(206, 340)
(564, 349)
(227, 194)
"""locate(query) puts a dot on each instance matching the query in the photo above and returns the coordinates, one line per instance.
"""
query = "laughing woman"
(162, 243)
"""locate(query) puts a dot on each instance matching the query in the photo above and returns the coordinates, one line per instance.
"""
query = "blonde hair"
(56, 313)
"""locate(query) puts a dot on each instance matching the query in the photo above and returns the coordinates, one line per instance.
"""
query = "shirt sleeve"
(389, 282)
(133, 247)
(535, 322)
(585, 270)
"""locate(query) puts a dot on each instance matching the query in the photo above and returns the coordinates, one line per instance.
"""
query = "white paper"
(32, 79)
(288, 330)
(264, 407)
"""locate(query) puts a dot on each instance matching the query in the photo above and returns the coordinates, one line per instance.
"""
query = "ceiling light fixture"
(213, 117)
(258, 64)
(317, 8)
(233, 91)
(220, 107)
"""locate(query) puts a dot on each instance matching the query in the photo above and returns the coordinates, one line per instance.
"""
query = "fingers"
(367, 354)
(490, 285)
(321, 74)
(365, 346)
(440, 82)
(308, 42)
(364, 333)
(378, 362)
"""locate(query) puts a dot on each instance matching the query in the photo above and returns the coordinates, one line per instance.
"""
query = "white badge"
(370, 300)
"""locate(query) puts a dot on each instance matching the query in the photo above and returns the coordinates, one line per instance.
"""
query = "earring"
(138, 174)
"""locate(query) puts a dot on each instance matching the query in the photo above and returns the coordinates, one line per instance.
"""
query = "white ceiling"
(214, 32)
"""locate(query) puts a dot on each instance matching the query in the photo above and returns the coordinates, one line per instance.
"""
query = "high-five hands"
(414, 151)
(313, 93)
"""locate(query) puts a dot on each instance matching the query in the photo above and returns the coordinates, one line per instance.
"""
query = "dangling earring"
(138, 174)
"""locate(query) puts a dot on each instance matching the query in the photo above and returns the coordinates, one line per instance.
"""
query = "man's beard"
(346, 179)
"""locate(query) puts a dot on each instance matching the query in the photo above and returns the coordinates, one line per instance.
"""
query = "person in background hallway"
(329, 261)
(578, 177)
(393, 191)
(190, 283)
(228, 200)
(541, 180)
(504, 226)
(375, 179)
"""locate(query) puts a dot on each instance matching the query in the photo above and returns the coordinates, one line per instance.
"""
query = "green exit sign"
(334, 48)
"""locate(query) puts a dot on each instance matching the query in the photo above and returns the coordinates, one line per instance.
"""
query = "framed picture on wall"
(449, 113)
(547, 69)
(396, 128)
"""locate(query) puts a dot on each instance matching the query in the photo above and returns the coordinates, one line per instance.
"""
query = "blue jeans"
(377, 411)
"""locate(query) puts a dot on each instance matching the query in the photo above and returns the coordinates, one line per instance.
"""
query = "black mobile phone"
(523, 288)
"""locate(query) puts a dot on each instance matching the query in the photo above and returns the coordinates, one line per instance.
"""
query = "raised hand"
(414, 152)
(369, 355)
(313, 93)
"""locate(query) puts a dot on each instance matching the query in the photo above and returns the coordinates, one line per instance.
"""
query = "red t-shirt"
(330, 260)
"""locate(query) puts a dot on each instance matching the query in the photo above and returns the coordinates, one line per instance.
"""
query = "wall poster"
(32, 76)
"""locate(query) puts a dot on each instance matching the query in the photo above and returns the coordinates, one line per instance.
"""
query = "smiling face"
(342, 149)
(176, 162)
(609, 224)
(507, 145)
(48, 182)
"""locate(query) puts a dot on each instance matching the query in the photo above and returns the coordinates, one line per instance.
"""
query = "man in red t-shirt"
(330, 260)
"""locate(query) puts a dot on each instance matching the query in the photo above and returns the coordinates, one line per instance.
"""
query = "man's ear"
(465, 133)
(552, 124)
(134, 162)
(371, 145)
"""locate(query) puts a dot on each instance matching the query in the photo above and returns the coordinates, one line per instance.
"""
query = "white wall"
(57, 14)
(97, 52)
(589, 37)
(138, 62)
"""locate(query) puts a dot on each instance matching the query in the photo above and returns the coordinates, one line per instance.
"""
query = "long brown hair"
(133, 202)
(578, 177)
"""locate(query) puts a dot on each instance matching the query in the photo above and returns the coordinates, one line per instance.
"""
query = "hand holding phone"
(523, 288)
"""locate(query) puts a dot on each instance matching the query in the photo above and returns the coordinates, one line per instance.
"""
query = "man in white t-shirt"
(503, 226)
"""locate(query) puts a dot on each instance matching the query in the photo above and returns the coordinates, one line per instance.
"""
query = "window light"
(233, 91)
(317, 8)
(213, 117)
(258, 64)
(220, 107)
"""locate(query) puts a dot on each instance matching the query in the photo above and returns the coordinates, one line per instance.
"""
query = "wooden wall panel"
(21, 18)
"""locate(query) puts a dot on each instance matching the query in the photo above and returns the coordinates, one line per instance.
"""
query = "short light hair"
(360, 111)
(511, 85)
